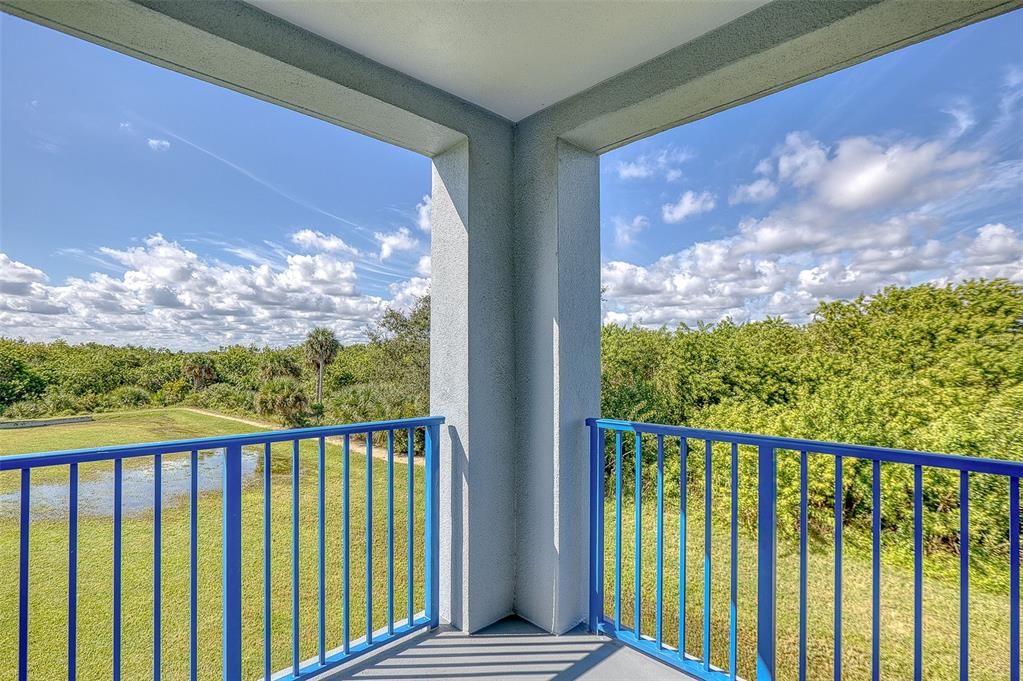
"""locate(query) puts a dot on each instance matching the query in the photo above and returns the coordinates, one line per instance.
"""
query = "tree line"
(928, 367)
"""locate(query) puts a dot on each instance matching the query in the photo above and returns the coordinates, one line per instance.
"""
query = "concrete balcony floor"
(510, 649)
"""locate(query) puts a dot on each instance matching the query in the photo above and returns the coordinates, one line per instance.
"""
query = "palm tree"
(200, 370)
(321, 347)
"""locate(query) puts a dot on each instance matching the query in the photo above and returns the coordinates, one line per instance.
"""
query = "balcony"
(405, 641)
(387, 564)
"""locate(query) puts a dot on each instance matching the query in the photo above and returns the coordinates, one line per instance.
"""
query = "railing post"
(594, 615)
(432, 543)
(232, 568)
(766, 562)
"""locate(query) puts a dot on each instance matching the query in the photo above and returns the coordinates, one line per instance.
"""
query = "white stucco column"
(557, 344)
(472, 378)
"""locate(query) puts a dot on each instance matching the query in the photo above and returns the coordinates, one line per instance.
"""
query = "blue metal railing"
(766, 541)
(233, 549)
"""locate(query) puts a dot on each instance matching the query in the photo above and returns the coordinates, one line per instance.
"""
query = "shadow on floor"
(510, 649)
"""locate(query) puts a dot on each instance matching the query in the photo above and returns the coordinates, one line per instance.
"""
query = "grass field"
(48, 549)
(48, 576)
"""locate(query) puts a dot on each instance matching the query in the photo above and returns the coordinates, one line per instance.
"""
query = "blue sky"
(140, 205)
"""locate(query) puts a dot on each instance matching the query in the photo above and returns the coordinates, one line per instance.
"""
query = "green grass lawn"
(989, 608)
(48, 575)
(49, 542)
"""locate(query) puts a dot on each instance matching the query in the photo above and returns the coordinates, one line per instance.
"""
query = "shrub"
(283, 399)
(222, 397)
(17, 380)
(127, 396)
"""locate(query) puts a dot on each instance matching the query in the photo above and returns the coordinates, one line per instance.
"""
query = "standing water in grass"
(49, 501)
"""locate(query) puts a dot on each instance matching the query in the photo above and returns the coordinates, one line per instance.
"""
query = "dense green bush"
(223, 397)
(283, 399)
(932, 368)
(17, 379)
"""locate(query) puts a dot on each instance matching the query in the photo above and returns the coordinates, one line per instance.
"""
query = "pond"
(49, 500)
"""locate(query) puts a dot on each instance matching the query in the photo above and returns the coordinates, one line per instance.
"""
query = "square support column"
(472, 378)
(557, 343)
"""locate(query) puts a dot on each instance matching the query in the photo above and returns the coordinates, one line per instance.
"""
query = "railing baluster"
(232, 562)
(118, 484)
(733, 612)
(295, 615)
(157, 530)
(390, 532)
(410, 548)
(637, 572)
(683, 452)
(369, 538)
(618, 530)
(964, 575)
(875, 655)
(659, 631)
(72, 574)
(766, 562)
(707, 498)
(431, 543)
(596, 609)
(193, 566)
(321, 535)
(346, 563)
(592, 618)
(918, 572)
(1014, 579)
(231, 549)
(26, 486)
(267, 600)
(804, 464)
(838, 568)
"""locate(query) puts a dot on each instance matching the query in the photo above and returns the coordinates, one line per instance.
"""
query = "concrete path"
(356, 443)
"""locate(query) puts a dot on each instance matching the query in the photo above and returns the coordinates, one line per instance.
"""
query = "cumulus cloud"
(423, 209)
(690, 203)
(392, 242)
(425, 266)
(158, 144)
(858, 214)
(166, 294)
(758, 191)
(662, 163)
(318, 241)
(626, 231)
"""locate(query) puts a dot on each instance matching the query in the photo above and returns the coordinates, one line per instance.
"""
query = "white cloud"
(404, 293)
(865, 173)
(158, 144)
(318, 241)
(125, 126)
(757, 191)
(800, 159)
(423, 210)
(390, 243)
(425, 266)
(690, 203)
(626, 231)
(962, 118)
(165, 294)
(664, 163)
(996, 251)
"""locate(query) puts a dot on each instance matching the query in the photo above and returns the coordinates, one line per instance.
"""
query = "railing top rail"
(949, 461)
(57, 458)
